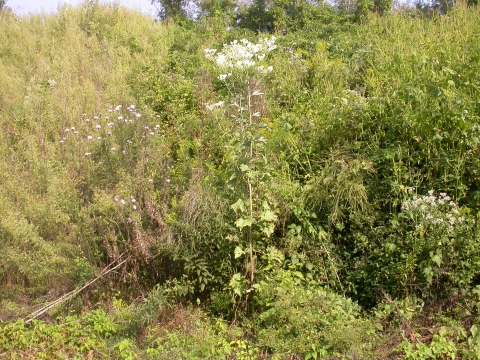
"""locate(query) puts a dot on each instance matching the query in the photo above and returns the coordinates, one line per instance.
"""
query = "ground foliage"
(318, 199)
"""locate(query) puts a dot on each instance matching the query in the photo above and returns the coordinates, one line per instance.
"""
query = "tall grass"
(55, 68)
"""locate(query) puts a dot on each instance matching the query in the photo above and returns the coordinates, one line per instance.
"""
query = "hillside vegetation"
(195, 189)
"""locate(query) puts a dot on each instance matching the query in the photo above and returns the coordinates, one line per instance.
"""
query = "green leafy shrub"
(300, 318)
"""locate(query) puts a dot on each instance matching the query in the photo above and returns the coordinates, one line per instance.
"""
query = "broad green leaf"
(239, 205)
(428, 274)
(239, 252)
(244, 167)
(269, 229)
(437, 259)
(474, 330)
(243, 222)
(268, 215)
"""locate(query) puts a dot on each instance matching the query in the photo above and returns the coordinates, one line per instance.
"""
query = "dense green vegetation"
(197, 189)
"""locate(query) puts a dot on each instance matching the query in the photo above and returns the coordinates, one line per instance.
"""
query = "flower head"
(240, 54)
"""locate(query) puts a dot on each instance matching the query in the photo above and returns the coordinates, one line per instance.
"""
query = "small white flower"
(89, 137)
(213, 106)
(223, 77)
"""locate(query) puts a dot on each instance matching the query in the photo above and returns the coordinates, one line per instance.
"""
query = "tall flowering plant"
(243, 65)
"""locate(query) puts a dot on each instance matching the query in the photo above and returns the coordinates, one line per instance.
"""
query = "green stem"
(250, 193)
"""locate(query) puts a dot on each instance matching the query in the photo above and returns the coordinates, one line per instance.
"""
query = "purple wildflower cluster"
(123, 202)
(115, 124)
(102, 128)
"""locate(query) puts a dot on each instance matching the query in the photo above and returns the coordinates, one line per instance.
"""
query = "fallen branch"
(72, 293)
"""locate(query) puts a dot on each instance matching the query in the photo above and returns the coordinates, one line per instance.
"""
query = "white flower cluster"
(434, 210)
(216, 105)
(241, 55)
